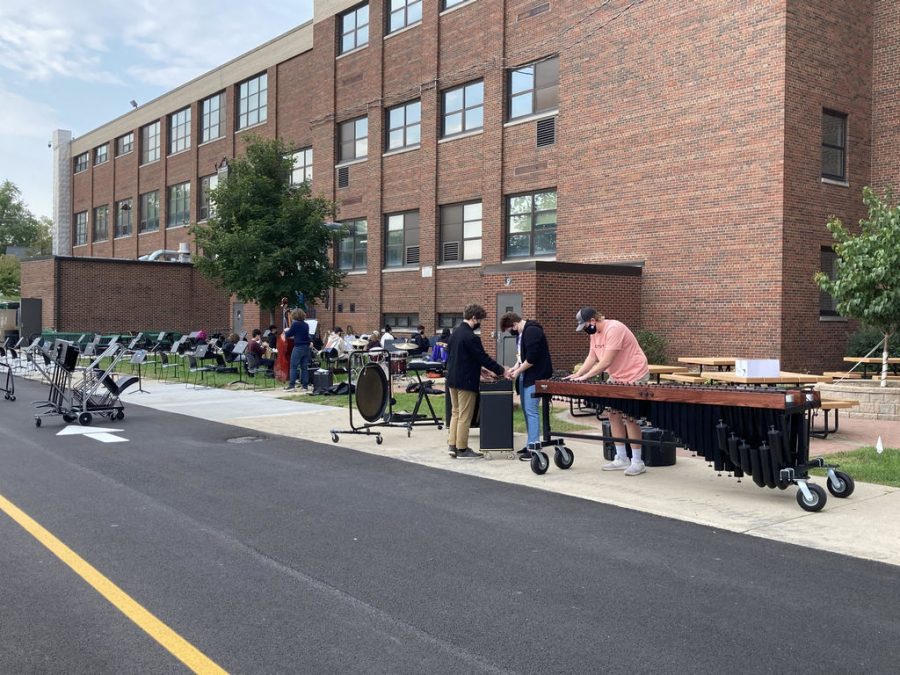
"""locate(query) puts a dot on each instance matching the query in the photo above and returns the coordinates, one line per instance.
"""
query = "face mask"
(590, 329)
(513, 332)
(477, 325)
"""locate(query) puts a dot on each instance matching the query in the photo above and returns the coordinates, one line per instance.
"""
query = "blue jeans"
(530, 408)
(300, 358)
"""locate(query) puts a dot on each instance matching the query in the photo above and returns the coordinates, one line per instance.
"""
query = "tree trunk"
(884, 359)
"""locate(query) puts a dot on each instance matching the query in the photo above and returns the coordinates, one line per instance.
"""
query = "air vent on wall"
(412, 255)
(451, 251)
(344, 177)
(546, 132)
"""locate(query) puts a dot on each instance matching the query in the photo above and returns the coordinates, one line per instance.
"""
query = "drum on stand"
(398, 364)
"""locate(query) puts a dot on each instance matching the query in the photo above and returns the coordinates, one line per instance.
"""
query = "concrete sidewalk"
(866, 525)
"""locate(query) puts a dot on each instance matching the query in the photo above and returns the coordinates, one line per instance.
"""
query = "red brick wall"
(38, 278)
(886, 95)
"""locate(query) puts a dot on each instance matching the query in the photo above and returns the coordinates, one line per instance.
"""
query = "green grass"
(866, 465)
(406, 402)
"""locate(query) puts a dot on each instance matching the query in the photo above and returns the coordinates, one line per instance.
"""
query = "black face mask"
(476, 325)
(514, 332)
(590, 330)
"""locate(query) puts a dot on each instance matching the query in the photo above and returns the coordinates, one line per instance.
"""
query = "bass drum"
(372, 392)
(283, 362)
(398, 364)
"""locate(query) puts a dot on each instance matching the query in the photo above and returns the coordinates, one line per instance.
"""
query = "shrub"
(861, 342)
(654, 345)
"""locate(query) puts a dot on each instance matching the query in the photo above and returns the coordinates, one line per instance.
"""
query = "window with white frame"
(101, 154)
(447, 4)
(461, 233)
(101, 223)
(123, 218)
(354, 245)
(401, 239)
(404, 125)
(463, 109)
(253, 101)
(149, 215)
(212, 118)
(206, 207)
(150, 143)
(301, 171)
(354, 27)
(81, 228)
(125, 144)
(403, 13)
(179, 131)
(531, 224)
(533, 88)
(178, 207)
(81, 162)
(353, 137)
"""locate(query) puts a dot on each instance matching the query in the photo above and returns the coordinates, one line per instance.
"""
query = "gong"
(372, 392)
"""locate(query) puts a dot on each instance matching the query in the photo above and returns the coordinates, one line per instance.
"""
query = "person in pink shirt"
(616, 351)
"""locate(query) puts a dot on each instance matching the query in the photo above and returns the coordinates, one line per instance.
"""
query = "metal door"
(237, 317)
(506, 343)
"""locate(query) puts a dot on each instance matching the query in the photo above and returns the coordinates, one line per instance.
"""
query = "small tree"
(10, 276)
(866, 284)
(18, 227)
(266, 238)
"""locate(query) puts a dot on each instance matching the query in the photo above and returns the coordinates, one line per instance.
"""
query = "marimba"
(762, 433)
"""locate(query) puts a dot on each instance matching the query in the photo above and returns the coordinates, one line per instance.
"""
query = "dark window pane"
(518, 245)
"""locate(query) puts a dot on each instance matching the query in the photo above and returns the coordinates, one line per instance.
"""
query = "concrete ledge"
(875, 402)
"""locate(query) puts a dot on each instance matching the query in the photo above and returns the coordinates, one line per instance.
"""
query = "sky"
(77, 64)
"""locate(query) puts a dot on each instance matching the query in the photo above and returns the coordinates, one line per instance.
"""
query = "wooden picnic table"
(682, 378)
(659, 370)
(893, 363)
(784, 377)
(719, 362)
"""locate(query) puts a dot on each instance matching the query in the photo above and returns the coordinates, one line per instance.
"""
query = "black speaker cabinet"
(653, 454)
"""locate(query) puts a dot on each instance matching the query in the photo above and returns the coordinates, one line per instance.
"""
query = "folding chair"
(166, 365)
(198, 371)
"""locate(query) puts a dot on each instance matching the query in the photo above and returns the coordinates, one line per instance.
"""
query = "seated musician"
(422, 344)
(273, 336)
(228, 347)
(256, 350)
(374, 343)
(439, 351)
(615, 350)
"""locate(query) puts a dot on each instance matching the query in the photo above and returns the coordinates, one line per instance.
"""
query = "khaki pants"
(463, 410)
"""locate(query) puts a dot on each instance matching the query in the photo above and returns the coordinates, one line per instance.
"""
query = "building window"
(447, 4)
(302, 167)
(533, 89)
(179, 131)
(253, 101)
(81, 228)
(101, 154)
(828, 264)
(123, 218)
(354, 28)
(125, 144)
(149, 216)
(400, 321)
(211, 118)
(463, 109)
(834, 145)
(404, 13)
(206, 207)
(101, 223)
(461, 233)
(354, 139)
(401, 240)
(404, 125)
(353, 246)
(150, 143)
(450, 321)
(81, 162)
(531, 225)
(178, 207)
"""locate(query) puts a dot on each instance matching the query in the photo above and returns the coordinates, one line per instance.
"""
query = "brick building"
(673, 162)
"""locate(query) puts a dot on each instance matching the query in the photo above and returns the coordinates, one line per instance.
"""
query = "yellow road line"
(174, 643)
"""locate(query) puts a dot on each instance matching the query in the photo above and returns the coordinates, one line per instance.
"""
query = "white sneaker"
(636, 469)
(617, 464)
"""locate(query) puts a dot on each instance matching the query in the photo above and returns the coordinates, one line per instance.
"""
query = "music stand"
(134, 341)
(136, 360)
(238, 352)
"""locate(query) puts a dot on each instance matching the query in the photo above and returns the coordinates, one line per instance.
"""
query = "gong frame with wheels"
(371, 395)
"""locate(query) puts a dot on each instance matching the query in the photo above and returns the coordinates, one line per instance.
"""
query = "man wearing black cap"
(615, 350)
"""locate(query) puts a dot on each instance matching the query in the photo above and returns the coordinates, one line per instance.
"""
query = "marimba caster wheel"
(334, 437)
(563, 457)
(817, 502)
(539, 462)
(379, 440)
(843, 486)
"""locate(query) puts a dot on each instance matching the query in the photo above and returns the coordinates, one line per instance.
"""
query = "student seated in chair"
(256, 351)
(228, 347)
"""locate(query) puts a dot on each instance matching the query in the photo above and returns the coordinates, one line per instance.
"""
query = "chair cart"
(96, 392)
(9, 388)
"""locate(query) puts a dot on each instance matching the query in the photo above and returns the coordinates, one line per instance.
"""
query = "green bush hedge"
(654, 346)
(861, 342)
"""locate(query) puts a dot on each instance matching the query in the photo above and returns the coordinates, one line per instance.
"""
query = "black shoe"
(524, 455)
(451, 449)
(468, 453)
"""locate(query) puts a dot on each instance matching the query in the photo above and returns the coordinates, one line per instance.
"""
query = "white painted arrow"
(97, 433)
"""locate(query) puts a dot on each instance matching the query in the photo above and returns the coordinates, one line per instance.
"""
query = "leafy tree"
(43, 242)
(18, 227)
(866, 284)
(10, 277)
(267, 238)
